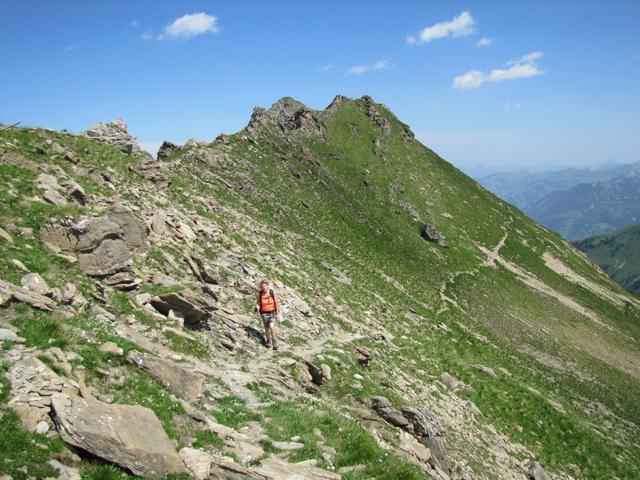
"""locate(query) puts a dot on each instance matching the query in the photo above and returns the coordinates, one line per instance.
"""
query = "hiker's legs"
(272, 328)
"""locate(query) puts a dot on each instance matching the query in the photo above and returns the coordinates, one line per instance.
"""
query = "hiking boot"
(275, 346)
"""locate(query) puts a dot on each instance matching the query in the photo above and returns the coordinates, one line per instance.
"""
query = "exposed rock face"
(422, 424)
(128, 435)
(32, 385)
(289, 115)
(167, 149)
(430, 232)
(377, 118)
(185, 383)
(102, 245)
(115, 134)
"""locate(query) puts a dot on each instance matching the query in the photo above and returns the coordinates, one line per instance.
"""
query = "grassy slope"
(618, 254)
(344, 205)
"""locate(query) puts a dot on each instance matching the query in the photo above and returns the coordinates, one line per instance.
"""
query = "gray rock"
(197, 461)
(481, 368)
(449, 381)
(65, 472)
(75, 191)
(54, 197)
(114, 134)
(9, 291)
(186, 384)
(35, 283)
(424, 423)
(536, 471)
(128, 435)
(19, 265)
(112, 348)
(7, 335)
(194, 308)
(98, 243)
(338, 274)
(5, 236)
(430, 232)
(326, 371)
(276, 468)
(133, 229)
(167, 149)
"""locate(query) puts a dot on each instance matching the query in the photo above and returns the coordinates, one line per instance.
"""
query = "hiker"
(269, 310)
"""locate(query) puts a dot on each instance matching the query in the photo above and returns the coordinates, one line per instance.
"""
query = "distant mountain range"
(574, 202)
(618, 254)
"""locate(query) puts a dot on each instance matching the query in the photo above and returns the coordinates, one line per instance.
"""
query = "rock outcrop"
(114, 134)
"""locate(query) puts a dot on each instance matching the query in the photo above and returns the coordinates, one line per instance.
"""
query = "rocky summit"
(428, 329)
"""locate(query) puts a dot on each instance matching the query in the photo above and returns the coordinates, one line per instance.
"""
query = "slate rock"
(128, 435)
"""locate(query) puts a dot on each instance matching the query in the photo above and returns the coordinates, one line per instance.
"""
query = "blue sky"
(554, 82)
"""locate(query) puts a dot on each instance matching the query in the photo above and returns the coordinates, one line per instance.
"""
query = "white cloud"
(147, 36)
(71, 48)
(326, 68)
(383, 64)
(524, 67)
(191, 25)
(484, 42)
(511, 106)
(134, 23)
(461, 26)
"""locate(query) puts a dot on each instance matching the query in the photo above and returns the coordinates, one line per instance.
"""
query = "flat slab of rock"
(198, 462)
(276, 468)
(9, 291)
(128, 435)
(186, 384)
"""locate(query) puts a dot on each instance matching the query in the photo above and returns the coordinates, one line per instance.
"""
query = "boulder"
(35, 283)
(167, 149)
(184, 383)
(430, 233)
(194, 308)
(424, 423)
(75, 191)
(128, 435)
(99, 243)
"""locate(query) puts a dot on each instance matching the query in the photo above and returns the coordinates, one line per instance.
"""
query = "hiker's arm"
(277, 305)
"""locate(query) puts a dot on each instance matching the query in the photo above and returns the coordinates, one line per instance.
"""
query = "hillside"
(430, 329)
(618, 254)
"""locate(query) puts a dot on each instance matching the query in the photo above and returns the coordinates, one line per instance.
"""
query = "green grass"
(232, 412)
(353, 445)
(25, 450)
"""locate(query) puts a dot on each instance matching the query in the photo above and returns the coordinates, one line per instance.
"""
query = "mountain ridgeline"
(430, 330)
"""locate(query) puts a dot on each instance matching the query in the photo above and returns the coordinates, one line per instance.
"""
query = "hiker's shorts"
(268, 318)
